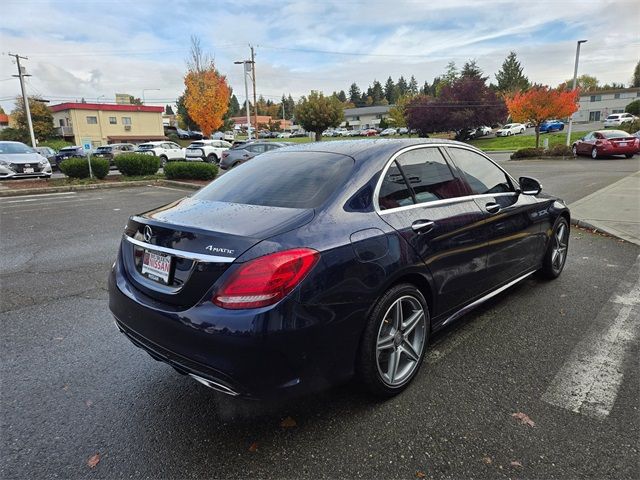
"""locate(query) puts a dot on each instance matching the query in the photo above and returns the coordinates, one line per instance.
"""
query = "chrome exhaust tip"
(214, 385)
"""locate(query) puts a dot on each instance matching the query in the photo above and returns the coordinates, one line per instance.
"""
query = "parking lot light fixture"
(573, 87)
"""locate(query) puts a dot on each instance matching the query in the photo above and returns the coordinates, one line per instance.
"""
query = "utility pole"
(27, 110)
(255, 103)
(245, 68)
(573, 88)
(284, 121)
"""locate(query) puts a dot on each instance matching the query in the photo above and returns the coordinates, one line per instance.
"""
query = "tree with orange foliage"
(541, 103)
(207, 92)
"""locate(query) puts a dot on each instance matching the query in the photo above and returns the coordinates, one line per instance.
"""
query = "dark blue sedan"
(549, 126)
(316, 263)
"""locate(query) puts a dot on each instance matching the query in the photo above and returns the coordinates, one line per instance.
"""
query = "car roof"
(361, 149)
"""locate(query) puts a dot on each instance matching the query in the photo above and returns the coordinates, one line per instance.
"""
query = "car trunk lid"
(199, 240)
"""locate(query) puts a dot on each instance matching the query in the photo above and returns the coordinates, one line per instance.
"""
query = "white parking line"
(589, 380)
(30, 198)
(20, 207)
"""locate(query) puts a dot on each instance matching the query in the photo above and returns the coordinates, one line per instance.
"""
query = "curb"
(97, 186)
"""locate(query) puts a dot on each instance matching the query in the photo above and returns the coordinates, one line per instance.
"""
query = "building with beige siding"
(595, 106)
(102, 123)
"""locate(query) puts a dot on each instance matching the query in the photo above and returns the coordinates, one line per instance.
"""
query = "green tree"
(397, 113)
(234, 106)
(413, 86)
(168, 110)
(15, 135)
(403, 87)
(342, 96)
(510, 77)
(635, 82)
(585, 82)
(471, 70)
(451, 74)
(633, 108)
(377, 93)
(133, 100)
(354, 94)
(316, 113)
(41, 117)
(390, 91)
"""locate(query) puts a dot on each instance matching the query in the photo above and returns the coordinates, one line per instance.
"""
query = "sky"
(93, 49)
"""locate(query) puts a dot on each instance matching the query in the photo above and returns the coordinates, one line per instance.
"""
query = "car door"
(174, 151)
(427, 203)
(585, 144)
(512, 222)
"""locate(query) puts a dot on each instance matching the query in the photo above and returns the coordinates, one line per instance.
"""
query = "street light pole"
(246, 66)
(575, 79)
(27, 110)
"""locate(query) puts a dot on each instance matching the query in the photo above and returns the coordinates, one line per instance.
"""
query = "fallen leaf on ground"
(288, 423)
(515, 463)
(253, 447)
(93, 461)
(88, 403)
(524, 419)
(420, 474)
(487, 460)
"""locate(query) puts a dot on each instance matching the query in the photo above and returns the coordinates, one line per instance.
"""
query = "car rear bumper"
(618, 150)
(259, 353)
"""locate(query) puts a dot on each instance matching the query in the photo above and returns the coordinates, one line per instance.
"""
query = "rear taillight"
(265, 280)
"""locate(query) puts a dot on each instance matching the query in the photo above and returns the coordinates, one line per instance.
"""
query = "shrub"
(528, 153)
(190, 170)
(79, 167)
(173, 137)
(630, 127)
(135, 164)
(55, 144)
(559, 151)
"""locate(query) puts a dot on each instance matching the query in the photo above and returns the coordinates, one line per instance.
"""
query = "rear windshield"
(68, 149)
(196, 144)
(103, 149)
(281, 179)
(613, 117)
(145, 146)
(615, 134)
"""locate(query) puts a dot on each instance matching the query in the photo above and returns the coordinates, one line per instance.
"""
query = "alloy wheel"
(401, 340)
(575, 151)
(559, 249)
(594, 152)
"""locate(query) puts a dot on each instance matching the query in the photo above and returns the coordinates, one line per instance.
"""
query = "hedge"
(79, 167)
(630, 127)
(553, 151)
(528, 153)
(136, 164)
(190, 170)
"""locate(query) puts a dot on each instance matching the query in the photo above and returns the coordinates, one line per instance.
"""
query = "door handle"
(492, 207)
(422, 226)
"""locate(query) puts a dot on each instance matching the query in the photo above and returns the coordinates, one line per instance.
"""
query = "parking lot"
(73, 387)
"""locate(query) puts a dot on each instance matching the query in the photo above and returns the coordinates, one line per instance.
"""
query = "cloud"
(123, 46)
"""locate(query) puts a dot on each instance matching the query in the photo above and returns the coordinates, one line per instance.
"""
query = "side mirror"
(529, 186)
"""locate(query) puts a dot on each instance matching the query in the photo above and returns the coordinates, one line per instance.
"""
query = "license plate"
(156, 266)
(28, 170)
(622, 144)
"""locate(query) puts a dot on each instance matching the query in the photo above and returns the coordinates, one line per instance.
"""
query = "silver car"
(18, 160)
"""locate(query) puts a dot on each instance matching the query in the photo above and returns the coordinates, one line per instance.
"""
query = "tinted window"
(256, 148)
(293, 180)
(430, 176)
(615, 134)
(481, 174)
(394, 191)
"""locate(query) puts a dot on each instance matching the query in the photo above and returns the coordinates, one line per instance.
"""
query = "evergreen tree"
(510, 77)
(403, 88)
(413, 86)
(355, 96)
(168, 110)
(342, 96)
(426, 88)
(472, 70)
(377, 93)
(390, 91)
(636, 76)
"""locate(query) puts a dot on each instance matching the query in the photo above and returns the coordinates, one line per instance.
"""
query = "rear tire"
(163, 160)
(628, 155)
(212, 158)
(556, 254)
(594, 153)
(394, 341)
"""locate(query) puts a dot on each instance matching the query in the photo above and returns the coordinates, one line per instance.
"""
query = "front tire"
(212, 158)
(594, 153)
(556, 254)
(628, 155)
(394, 341)
(163, 161)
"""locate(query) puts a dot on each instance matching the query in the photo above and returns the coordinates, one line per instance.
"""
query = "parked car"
(284, 135)
(195, 135)
(18, 160)
(207, 150)
(388, 131)
(299, 134)
(110, 152)
(167, 151)
(74, 151)
(48, 153)
(551, 126)
(607, 142)
(306, 276)
(617, 119)
(484, 130)
(510, 129)
(403, 131)
(339, 132)
(368, 132)
(182, 134)
(238, 155)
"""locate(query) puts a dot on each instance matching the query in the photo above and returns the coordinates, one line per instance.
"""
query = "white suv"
(167, 151)
(617, 119)
(207, 150)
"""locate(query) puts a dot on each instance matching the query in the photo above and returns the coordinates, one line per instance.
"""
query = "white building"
(597, 105)
(365, 117)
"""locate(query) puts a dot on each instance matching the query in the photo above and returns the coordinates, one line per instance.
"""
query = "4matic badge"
(211, 248)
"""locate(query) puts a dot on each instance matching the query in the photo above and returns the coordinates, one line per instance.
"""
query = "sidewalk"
(614, 209)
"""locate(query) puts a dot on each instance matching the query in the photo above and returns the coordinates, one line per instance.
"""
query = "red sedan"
(607, 142)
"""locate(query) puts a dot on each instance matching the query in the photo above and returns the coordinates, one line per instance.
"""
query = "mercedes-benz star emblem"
(148, 233)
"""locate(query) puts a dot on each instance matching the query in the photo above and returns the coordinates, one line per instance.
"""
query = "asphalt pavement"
(72, 387)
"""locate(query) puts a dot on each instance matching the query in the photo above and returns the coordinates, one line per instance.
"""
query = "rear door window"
(394, 190)
(278, 179)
